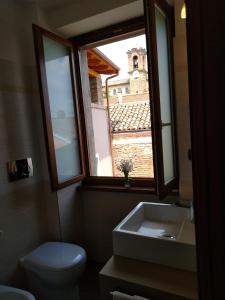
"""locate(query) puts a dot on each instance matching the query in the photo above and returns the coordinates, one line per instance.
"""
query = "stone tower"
(138, 71)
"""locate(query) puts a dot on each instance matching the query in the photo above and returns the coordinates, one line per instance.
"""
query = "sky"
(117, 53)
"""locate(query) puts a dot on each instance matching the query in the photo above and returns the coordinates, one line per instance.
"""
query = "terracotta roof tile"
(130, 116)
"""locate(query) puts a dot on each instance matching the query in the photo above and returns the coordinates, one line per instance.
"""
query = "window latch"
(164, 124)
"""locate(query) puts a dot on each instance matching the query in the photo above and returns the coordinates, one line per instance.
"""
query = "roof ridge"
(130, 103)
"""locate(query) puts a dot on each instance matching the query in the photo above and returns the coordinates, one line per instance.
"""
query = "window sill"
(121, 189)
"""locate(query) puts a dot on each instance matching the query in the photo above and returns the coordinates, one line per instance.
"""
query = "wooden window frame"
(38, 33)
(115, 32)
(112, 32)
(108, 34)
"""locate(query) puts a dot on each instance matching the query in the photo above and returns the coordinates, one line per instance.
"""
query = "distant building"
(137, 82)
(131, 137)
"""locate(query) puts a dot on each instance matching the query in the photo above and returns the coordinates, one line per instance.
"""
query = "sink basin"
(10, 293)
(158, 233)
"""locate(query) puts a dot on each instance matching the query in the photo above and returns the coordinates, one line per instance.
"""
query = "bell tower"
(138, 72)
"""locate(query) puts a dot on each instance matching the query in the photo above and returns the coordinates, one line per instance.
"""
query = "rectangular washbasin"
(158, 233)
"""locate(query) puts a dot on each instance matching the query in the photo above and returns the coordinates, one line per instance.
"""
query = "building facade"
(137, 81)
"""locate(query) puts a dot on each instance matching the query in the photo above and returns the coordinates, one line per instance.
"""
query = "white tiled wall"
(28, 208)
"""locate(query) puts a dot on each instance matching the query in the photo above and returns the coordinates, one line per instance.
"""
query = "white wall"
(28, 208)
(81, 16)
(102, 140)
(102, 211)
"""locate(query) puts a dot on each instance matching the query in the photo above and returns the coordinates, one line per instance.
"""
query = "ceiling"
(73, 17)
(56, 4)
(107, 18)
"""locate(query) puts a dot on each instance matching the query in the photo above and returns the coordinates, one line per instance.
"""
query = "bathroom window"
(81, 81)
(117, 128)
(163, 175)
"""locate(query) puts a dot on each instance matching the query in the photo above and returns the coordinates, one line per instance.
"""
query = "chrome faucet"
(187, 204)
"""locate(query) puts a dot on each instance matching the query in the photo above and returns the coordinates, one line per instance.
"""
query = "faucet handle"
(192, 216)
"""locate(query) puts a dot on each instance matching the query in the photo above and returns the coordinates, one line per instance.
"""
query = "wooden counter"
(147, 279)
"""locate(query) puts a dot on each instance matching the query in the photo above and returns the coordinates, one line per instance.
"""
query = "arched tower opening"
(135, 62)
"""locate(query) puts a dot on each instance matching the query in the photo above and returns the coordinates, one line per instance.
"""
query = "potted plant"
(126, 166)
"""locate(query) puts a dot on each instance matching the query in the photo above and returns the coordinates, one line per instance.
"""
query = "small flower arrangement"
(126, 166)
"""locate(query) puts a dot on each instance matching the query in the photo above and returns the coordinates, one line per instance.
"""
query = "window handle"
(164, 124)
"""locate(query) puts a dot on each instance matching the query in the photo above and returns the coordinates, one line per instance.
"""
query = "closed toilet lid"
(55, 256)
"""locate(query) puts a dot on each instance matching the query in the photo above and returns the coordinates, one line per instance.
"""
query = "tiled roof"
(130, 117)
(117, 82)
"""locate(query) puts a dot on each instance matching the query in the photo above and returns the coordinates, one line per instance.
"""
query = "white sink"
(10, 293)
(158, 233)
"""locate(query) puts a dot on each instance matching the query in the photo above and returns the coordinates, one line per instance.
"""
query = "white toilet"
(11, 293)
(53, 270)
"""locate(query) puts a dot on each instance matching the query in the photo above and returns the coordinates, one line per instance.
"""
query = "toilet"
(11, 293)
(53, 270)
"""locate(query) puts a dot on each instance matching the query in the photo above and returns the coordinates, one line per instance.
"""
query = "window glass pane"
(167, 153)
(118, 117)
(163, 66)
(164, 89)
(62, 110)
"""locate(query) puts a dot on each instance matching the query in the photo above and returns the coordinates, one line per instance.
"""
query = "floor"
(89, 283)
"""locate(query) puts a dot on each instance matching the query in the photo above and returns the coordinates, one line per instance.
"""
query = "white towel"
(122, 296)
(140, 298)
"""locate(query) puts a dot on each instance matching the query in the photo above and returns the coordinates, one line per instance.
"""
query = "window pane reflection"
(62, 110)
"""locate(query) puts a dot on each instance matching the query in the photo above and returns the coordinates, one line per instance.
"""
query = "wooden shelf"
(148, 279)
(122, 189)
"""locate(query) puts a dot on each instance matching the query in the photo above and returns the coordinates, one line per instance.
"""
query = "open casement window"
(159, 18)
(124, 138)
(55, 61)
(60, 88)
